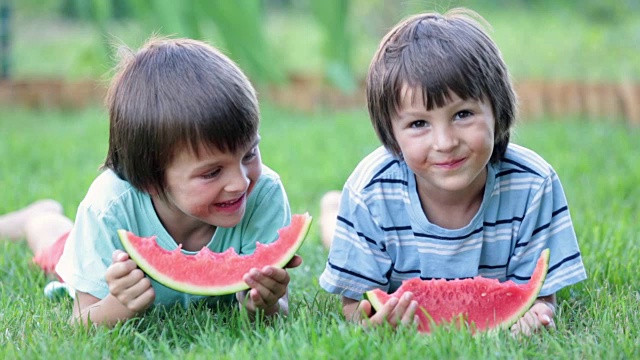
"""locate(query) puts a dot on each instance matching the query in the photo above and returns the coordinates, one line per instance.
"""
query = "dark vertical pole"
(5, 14)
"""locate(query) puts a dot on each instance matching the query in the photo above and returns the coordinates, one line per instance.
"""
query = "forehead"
(415, 96)
(202, 151)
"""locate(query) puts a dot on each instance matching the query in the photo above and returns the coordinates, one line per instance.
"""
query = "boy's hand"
(395, 312)
(268, 285)
(128, 284)
(539, 316)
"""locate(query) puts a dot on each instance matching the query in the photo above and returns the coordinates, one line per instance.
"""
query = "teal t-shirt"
(112, 203)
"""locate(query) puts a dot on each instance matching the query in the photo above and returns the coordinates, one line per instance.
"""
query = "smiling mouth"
(230, 203)
(452, 163)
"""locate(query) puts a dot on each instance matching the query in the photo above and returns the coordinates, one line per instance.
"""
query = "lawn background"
(58, 153)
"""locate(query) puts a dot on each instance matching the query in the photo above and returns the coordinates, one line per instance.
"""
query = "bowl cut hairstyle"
(175, 94)
(439, 54)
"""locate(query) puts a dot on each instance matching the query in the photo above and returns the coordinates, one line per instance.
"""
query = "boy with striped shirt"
(447, 195)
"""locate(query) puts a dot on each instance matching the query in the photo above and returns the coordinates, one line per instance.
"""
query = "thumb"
(294, 262)
(364, 309)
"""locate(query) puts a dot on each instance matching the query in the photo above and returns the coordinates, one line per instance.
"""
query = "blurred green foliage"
(333, 16)
(332, 39)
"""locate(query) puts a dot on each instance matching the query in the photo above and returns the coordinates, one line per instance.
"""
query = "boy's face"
(447, 148)
(211, 189)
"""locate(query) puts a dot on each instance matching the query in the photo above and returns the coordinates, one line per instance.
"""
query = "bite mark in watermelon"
(483, 303)
(209, 273)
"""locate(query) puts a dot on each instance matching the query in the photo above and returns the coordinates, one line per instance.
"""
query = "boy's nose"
(238, 182)
(445, 139)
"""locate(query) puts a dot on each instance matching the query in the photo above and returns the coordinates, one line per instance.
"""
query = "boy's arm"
(130, 293)
(108, 311)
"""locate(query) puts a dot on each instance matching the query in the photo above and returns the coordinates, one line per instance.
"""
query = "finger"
(120, 284)
(118, 270)
(517, 328)
(551, 324)
(244, 299)
(142, 301)
(528, 323)
(544, 314)
(278, 275)
(402, 307)
(294, 262)
(131, 292)
(119, 256)
(409, 316)
(257, 299)
(546, 321)
(531, 323)
(384, 313)
(363, 311)
(264, 290)
(255, 278)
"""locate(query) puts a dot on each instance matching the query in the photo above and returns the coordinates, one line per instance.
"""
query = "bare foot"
(12, 224)
(328, 213)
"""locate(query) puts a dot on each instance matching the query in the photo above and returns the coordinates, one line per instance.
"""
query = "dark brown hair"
(438, 54)
(175, 94)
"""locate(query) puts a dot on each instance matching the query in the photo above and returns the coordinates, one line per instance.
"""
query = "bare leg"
(44, 229)
(12, 225)
(41, 224)
(328, 214)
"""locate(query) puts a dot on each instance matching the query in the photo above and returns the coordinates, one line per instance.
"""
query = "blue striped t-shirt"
(383, 237)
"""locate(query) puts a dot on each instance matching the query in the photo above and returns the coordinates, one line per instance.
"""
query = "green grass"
(56, 154)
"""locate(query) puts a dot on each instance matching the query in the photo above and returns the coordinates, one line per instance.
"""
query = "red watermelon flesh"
(481, 302)
(209, 273)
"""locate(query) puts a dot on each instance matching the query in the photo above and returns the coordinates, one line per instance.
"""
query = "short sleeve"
(87, 253)
(357, 262)
(547, 224)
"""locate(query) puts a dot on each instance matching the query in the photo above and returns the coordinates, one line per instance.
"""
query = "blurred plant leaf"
(332, 15)
(241, 26)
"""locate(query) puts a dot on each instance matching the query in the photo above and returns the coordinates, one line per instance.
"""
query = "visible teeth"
(227, 203)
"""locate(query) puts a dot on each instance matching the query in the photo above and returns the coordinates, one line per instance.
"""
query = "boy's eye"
(211, 174)
(463, 114)
(419, 124)
(250, 155)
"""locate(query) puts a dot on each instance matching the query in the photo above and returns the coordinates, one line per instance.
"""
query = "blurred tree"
(5, 38)
(240, 24)
(333, 17)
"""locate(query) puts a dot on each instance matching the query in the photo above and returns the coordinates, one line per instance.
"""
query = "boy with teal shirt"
(183, 164)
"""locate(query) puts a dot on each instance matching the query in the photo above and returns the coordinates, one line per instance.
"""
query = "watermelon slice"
(482, 303)
(209, 273)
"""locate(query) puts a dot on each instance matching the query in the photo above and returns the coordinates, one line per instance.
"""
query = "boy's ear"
(151, 190)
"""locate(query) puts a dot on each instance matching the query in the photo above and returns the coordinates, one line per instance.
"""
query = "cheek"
(483, 138)
(254, 174)
(488, 141)
(404, 143)
(201, 210)
(414, 149)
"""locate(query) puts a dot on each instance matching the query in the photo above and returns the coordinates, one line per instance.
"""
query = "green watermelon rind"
(231, 288)
(374, 299)
(506, 324)
(376, 303)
